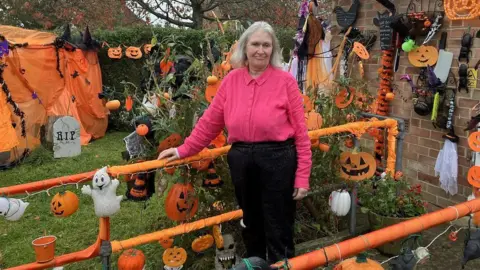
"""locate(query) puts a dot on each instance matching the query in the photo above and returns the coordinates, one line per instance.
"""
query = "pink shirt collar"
(261, 79)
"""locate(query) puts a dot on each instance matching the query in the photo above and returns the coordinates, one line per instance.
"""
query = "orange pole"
(82, 255)
(353, 246)
(118, 246)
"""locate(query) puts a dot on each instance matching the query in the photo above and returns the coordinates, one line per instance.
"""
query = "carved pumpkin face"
(173, 140)
(166, 242)
(64, 204)
(360, 50)
(131, 259)
(474, 141)
(357, 166)
(202, 243)
(115, 53)
(174, 257)
(344, 98)
(147, 48)
(133, 52)
(181, 202)
(423, 56)
(473, 176)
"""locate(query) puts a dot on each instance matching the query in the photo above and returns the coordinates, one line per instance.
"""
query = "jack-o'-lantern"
(113, 105)
(211, 90)
(131, 259)
(166, 242)
(314, 120)
(423, 56)
(473, 176)
(147, 48)
(202, 243)
(389, 96)
(344, 98)
(174, 257)
(115, 53)
(181, 202)
(64, 204)
(173, 140)
(360, 50)
(474, 141)
(357, 166)
(133, 52)
(358, 263)
(307, 104)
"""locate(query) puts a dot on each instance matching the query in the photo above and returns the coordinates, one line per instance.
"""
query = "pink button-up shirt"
(268, 108)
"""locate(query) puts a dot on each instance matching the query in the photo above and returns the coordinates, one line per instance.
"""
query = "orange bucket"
(44, 248)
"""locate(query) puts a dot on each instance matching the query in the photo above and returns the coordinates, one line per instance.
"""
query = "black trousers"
(263, 175)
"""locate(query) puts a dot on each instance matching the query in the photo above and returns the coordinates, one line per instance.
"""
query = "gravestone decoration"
(66, 137)
(386, 32)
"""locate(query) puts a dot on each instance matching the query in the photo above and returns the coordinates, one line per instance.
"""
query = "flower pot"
(378, 222)
(44, 248)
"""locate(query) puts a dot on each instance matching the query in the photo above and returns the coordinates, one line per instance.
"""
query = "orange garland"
(461, 9)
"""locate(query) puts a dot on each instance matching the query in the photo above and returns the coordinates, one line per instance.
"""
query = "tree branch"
(177, 13)
(178, 2)
(162, 16)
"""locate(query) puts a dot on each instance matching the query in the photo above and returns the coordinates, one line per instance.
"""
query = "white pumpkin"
(340, 202)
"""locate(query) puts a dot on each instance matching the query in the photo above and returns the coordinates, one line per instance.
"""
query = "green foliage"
(392, 198)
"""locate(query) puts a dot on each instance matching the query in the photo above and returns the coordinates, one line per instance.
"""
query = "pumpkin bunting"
(115, 53)
(64, 204)
(357, 166)
(181, 202)
(174, 257)
(133, 52)
(202, 243)
(131, 259)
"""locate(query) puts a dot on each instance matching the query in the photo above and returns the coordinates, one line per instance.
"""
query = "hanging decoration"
(423, 56)
(12, 209)
(174, 258)
(357, 166)
(64, 204)
(461, 10)
(181, 202)
(340, 202)
(106, 202)
(133, 52)
(202, 243)
(166, 242)
(345, 97)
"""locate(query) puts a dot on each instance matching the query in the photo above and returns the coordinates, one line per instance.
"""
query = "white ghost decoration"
(105, 200)
(12, 209)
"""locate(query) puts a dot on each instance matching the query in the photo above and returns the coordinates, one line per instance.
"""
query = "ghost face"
(4, 205)
(259, 50)
(101, 179)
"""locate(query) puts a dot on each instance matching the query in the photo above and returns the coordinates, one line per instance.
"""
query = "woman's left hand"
(299, 193)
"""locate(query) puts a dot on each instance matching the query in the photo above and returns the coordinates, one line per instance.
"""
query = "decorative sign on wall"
(472, 77)
(66, 137)
(386, 32)
(347, 18)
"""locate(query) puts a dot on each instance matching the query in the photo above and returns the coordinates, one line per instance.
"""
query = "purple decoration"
(433, 81)
(34, 95)
(3, 48)
(303, 11)
(409, 80)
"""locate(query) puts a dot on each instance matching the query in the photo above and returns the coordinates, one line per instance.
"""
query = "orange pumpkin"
(113, 105)
(147, 48)
(423, 56)
(473, 176)
(173, 140)
(307, 104)
(314, 120)
(211, 91)
(344, 98)
(131, 259)
(226, 66)
(389, 96)
(115, 53)
(133, 52)
(64, 204)
(324, 147)
(181, 202)
(361, 262)
(212, 79)
(174, 257)
(142, 129)
(474, 141)
(360, 50)
(357, 166)
(166, 242)
(202, 243)
(217, 235)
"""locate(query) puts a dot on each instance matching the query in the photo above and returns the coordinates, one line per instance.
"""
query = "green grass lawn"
(79, 230)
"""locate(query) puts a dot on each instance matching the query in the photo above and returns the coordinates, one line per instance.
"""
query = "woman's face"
(259, 49)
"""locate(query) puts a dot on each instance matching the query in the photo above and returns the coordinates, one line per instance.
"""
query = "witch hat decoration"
(139, 190)
(212, 179)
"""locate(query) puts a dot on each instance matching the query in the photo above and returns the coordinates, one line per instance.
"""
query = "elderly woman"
(270, 158)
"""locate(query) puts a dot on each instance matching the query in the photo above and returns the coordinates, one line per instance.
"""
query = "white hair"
(239, 56)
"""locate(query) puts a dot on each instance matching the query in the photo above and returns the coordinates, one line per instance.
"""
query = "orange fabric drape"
(317, 74)
(7, 132)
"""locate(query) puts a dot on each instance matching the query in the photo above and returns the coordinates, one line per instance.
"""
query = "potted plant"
(389, 201)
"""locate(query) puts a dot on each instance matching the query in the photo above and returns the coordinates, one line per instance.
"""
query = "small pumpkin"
(131, 259)
(142, 129)
(323, 147)
(113, 105)
(173, 140)
(344, 98)
(202, 243)
(358, 263)
(357, 166)
(340, 202)
(360, 50)
(217, 236)
(64, 204)
(181, 202)
(128, 103)
(212, 79)
(166, 242)
(307, 104)
(313, 120)
(473, 176)
(423, 56)
(174, 257)
(226, 66)
(133, 52)
(147, 48)
(389, 96)
(115, 53)
(211, 90)
(474, 141)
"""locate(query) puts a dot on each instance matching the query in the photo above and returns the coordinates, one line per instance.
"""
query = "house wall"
(422, 141)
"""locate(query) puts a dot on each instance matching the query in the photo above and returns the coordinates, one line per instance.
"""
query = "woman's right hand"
(170, 154)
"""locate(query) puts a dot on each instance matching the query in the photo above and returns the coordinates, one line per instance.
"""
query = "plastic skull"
(226, 258)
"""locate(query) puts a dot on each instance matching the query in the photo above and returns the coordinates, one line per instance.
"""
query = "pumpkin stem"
(361, 258)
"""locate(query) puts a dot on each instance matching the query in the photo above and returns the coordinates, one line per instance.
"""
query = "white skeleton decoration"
(12, 209)
(226, 258)
(105, 200)
(433, 29)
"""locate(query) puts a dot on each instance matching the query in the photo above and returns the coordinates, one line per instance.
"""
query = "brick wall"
(423, 142)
